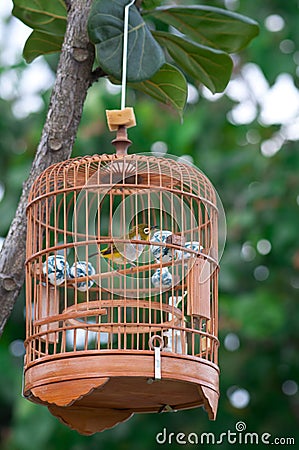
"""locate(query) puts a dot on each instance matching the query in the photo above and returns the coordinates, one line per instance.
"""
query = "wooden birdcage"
(106, 339)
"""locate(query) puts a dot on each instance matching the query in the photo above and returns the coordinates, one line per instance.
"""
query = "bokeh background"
(246, 142)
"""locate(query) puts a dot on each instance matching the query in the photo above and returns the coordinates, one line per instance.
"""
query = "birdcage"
(121, 296)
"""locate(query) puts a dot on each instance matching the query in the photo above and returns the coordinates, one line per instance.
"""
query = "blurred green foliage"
(258, 292)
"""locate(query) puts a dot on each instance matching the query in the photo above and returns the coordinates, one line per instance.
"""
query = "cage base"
(91, 393)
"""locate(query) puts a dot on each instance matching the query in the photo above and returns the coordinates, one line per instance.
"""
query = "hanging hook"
(125, 55)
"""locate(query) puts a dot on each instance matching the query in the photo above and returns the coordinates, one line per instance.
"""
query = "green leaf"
(145, 56)
(48, 16)
(213, 27)
(40, 43)
(48, 20)
(209, 66)
(150, 4)
(168, 86)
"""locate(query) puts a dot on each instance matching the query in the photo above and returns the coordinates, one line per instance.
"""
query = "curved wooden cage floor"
(121, 249)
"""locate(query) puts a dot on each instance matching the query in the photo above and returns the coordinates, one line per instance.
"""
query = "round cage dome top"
(143, 170)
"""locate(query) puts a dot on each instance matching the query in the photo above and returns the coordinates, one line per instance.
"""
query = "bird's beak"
(154, 227)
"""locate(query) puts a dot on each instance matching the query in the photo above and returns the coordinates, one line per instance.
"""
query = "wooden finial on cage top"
(120, 120)
(121, 142)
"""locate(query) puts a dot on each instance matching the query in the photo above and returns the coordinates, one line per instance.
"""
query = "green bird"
(127, 253)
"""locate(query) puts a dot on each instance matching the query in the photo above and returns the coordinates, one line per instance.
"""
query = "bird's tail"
(104, 252)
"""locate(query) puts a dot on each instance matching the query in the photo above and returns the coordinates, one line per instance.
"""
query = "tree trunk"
(74, 76)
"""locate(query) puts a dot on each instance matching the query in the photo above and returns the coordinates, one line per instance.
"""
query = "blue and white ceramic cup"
(81, 269)
(192, 245)
(161, 253)
(165, 282)
(56, 268)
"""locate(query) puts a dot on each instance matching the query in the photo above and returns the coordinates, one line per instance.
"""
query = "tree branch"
(74, 76)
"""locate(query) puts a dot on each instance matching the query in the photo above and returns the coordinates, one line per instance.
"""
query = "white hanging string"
(125, 55)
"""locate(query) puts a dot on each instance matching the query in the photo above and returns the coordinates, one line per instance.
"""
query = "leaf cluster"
(165, 43)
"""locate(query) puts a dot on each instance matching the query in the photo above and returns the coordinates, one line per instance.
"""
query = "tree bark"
(74, 76)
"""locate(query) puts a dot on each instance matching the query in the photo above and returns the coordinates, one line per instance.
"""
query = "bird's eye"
(146, 230)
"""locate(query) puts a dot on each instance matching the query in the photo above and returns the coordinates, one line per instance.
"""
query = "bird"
(127, 253)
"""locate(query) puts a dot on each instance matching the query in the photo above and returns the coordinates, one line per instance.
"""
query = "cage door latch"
(157, 353)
